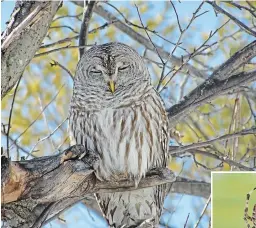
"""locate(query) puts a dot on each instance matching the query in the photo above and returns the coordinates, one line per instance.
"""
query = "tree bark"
(23, 36)
(36, 190)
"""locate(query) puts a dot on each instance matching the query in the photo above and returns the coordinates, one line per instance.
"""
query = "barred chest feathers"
(127, 137)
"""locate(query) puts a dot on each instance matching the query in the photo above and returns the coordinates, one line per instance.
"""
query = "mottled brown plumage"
(116, 112)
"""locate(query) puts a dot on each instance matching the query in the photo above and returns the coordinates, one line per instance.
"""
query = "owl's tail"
(138, 208)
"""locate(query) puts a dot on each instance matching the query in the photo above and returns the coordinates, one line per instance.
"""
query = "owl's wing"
(165, 141)
(164, 135)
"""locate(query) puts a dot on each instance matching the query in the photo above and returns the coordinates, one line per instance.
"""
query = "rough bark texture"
(34, 191)
(25, 32)
(206, 92)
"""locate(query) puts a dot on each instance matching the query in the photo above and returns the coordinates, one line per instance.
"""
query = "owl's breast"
(128, 140)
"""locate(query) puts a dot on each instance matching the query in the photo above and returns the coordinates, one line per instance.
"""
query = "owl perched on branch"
(116, 112)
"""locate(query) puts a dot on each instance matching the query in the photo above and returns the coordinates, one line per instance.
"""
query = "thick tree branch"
(50, 184)
(220, 82)
(190, 187)
(206, 92)
(235, 62)
(85, 26)
(23, 36)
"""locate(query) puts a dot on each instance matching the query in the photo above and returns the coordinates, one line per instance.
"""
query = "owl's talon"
(73, 152)
(82, 156)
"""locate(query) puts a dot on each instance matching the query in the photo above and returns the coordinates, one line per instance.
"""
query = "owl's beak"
(112, 86)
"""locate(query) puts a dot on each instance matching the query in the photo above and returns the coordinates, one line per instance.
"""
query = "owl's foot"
(79, 152)
(73, 152)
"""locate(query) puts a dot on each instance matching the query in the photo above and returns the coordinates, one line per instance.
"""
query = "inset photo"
(233, 199)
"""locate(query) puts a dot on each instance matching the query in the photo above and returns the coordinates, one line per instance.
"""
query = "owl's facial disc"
(110, 73)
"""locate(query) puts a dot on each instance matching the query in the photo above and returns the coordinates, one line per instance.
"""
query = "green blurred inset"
(229, 197)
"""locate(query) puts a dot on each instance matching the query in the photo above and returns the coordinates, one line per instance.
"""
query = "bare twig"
(10, 117)
(63, 48)
(177, 16)
(144, 28)
(66, 16)
(46, 121)
(17, 145)
(196, 51)
(60, 41)
(220, 157)
(68, 39)
(148, 35)
(55, 63)
(211, 141)
(130, 23)
(46, 137)
(39, 114)
(234, 19)
(203, 211)
(64, 26)
(182, 32)
(102, 27)
(186, 220)
(242, 7)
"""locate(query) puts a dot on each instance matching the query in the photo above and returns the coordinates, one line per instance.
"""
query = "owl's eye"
(124, 67)
(95, 72)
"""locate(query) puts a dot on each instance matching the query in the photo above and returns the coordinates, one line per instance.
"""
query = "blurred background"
(39, 119)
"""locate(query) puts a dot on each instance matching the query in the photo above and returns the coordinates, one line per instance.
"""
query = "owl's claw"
(79, 152)
(73, 152)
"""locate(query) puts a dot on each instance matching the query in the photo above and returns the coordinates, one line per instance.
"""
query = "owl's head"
(111, 71)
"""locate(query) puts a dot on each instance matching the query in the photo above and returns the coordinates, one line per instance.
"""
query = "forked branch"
(51, 183)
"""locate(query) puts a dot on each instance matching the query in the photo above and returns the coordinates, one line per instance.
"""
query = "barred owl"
(117, 113)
